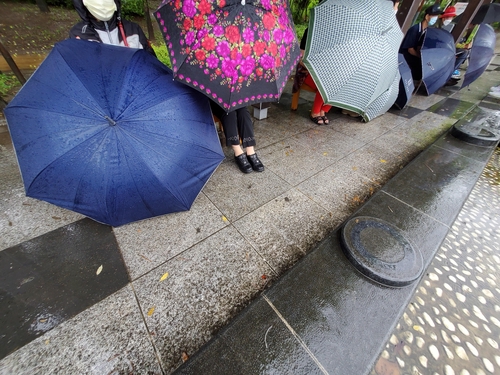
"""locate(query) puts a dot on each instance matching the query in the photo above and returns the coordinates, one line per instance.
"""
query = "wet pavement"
(452, 324)
(81, 297)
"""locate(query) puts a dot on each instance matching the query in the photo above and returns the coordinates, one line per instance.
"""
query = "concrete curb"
(323, 316)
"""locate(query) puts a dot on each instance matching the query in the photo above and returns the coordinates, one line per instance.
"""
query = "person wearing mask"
(414, 38)
(446, 18)
(101, 22)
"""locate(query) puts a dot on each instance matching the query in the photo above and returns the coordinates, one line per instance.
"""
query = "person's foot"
(243, 164)
(350, 113)
(318, 120)
(255, 162)
(456, 74)
(325, 119)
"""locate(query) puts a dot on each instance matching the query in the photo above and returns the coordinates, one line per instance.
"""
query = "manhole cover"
(475, 134)
(380, 251)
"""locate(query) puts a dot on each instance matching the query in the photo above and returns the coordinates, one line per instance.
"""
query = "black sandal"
(317, 120)
(325, 120)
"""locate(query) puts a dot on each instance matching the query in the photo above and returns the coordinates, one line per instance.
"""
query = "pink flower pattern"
(233, 60)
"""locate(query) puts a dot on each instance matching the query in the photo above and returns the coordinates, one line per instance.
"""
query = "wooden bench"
(296, 96)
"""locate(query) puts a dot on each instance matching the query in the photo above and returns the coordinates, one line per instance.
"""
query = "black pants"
(461, 54)
(415, 64)
(237, 125)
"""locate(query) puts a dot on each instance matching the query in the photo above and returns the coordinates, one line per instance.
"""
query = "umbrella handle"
(120, 26)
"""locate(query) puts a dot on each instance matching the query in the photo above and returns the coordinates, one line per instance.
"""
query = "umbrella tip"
(110, 120)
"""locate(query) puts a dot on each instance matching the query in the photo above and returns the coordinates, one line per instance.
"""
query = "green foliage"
(299, 29)
(162, 53)
(132, 8)
(300, 10)
(68, 4)
(8, 82)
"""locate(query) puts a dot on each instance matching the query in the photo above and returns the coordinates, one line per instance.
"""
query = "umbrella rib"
(170, 190)
(58, 113)
(176, 139)
(152, 104)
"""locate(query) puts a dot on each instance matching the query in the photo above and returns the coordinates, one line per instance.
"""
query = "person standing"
(414, 38)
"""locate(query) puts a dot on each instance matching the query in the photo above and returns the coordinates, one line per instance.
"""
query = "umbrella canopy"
(487, 13)
(438, 59)
(105, 131)
(481, 53)
(237, 52)
(406, 85)
(352, 53)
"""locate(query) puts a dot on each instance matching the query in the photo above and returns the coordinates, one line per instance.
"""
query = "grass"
(162, 53)
(8, 83)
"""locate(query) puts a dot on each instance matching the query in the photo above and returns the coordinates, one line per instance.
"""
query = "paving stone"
(108, 338)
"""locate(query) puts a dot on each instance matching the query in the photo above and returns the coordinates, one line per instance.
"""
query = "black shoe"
(255, 162)
(243, 163)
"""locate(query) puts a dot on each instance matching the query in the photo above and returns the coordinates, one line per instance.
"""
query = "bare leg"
(237, 150)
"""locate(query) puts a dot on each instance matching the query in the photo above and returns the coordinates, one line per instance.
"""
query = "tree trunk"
(42, 5)
(151, 33)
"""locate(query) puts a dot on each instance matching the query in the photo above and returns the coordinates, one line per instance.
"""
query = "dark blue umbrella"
(487, 13)
(438, 59)
(105, 131)
(406, 85)
(481, 53)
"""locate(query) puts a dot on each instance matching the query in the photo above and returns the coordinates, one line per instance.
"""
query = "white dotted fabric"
(384, 102)
(352, 52)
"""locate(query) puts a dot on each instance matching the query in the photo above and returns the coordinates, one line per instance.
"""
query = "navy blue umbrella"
(105, 131)
(481, 53)
(406, 85)
(487, 13)
(438, 59)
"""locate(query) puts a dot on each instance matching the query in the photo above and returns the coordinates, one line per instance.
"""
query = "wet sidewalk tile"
(52, 278)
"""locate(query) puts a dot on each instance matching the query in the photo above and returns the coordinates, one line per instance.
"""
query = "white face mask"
(103, 10)
(432, 21)
(446, 22)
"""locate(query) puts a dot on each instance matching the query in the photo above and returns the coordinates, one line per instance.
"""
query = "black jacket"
(89, 27)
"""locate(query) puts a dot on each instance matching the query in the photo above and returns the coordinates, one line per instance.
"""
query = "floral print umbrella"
(235, 52)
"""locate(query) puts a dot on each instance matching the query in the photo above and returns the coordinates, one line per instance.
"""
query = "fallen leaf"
(99, 270)
(165, 275)
(224, 219)
(325, 153)
(263, 277)
(47, 342)
(151, 311)
(56, 218)
(43, 320)
(383, 161)
(184, 357)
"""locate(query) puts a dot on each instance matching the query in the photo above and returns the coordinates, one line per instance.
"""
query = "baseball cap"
(433, 10)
